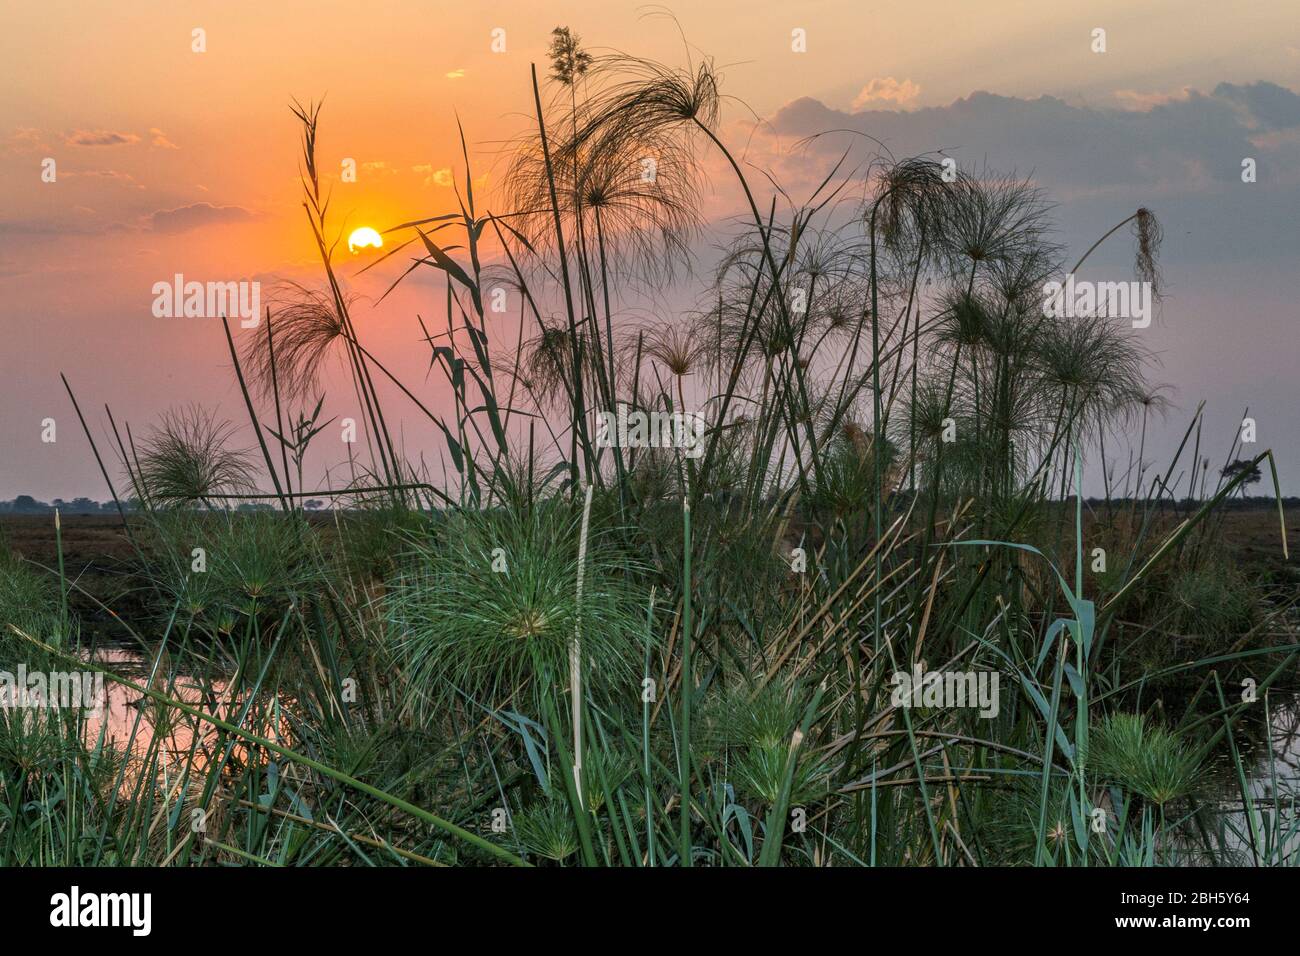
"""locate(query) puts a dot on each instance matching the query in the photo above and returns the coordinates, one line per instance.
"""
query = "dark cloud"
(1187, 142)
(195, 216)
(1273, 107)
(1180, 154)
(100, 137)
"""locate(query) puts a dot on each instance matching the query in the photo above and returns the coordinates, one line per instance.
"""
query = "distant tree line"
(27, 505)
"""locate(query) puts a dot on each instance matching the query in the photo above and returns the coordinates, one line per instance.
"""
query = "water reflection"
(136, 725)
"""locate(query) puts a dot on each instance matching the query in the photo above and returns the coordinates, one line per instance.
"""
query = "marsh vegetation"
(547, 650)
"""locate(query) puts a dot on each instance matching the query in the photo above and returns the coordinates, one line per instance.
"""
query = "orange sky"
(139, 125)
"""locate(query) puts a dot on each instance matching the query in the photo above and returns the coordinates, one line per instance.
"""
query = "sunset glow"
(199, 175)
(604, 434)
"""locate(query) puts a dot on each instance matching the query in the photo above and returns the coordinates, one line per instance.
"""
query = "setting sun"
(364, 238)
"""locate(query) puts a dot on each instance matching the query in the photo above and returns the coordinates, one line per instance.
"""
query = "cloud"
(1178, 144)
(24, 139)
(1182, 157)
(1135, 100)
(434, 177)
(1268, 105)
(160, 139)
(884, 90)
(195, 216)
(112, 175)
(100, 137)
(457, 74)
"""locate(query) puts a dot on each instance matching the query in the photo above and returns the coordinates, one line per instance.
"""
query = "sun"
(364, 238)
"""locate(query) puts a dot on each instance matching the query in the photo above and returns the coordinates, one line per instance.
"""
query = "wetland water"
(1272, 780)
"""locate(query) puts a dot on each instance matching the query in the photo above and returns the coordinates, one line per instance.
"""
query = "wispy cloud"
(160, 139)
(100, 137)
(1141, 102)
(884, 91)
(196, 215)
(111, 175)
(25, 139)
(434, 177)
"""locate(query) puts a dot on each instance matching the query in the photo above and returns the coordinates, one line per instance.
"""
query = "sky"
(172, 160)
